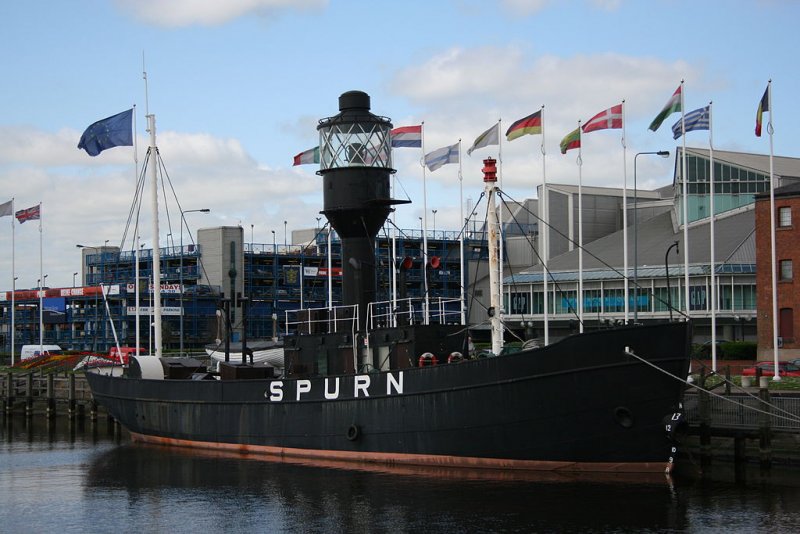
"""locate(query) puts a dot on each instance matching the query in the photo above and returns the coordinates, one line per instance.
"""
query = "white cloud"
(86, 200)
(461, 92)
(176, 13)
(525, 7)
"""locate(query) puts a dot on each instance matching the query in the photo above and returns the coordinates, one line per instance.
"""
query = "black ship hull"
(584, 403)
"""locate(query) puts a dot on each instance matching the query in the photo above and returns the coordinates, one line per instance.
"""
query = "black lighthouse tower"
(356, 167)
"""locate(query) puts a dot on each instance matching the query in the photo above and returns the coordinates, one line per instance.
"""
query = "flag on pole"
(571, 140)
(309, 156)
(605, 120)
(694, 120)
(489, 137)
(30, 214)
(441, 156)
(673, 105)
(107, 133)
(407, 137)
(532, 124)
(6, 207)
(762, 107)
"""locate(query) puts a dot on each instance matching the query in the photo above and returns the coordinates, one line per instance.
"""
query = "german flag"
(532, 124)
(762, 107)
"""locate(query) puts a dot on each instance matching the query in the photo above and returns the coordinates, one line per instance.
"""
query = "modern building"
(198, 278)
(655, 252)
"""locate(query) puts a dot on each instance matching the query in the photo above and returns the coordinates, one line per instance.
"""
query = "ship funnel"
(355, 165)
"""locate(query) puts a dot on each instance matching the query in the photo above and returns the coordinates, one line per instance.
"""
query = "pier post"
(71, 399)
(765, 430)
(51, 398)
(29, 395)
(9, 392)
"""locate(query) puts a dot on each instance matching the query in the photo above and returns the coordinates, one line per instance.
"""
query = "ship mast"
(493, 227)
(151, 128)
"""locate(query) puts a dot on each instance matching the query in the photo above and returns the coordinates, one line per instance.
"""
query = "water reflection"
(267, 495)
(97, 481)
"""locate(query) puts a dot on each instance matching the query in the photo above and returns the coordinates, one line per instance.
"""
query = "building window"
(786, 270)
(786, 323)
(784, 217)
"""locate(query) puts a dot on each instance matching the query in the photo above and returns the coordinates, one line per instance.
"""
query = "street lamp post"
(666, 268)
(663, 154)
(180, 262)
(285, 241)
(434, 223)
(73, 278)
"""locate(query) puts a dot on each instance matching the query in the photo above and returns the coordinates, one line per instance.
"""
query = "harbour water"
(83, 477)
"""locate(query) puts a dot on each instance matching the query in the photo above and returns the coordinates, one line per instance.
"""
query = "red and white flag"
(30, 214)
(605, 120)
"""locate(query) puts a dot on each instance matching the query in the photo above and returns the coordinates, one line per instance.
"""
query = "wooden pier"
(49, 394)
(759, 424)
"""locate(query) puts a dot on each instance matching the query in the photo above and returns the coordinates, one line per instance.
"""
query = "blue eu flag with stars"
(107, 133)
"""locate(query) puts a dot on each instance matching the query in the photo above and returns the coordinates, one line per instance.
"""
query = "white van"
(31, 351)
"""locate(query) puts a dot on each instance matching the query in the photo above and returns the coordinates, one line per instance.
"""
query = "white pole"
(41, 283)
(394, 256)
(626, 276)
(461, 237)
(774, 262)
(713, 260)
(136, 249)
(156, 252)
(685, 208)
(544, 237)
(426, 316)
(580, 232)
(501, 233)
(330, 271)
(493, 223)
(13, 285)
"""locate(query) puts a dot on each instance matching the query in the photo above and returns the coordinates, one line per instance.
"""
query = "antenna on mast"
(146, 96)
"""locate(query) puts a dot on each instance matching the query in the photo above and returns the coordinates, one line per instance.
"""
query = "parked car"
(768, 369)
(795, 362)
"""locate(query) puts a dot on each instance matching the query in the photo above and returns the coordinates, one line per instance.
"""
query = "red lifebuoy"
(455, 357)
(427, 359)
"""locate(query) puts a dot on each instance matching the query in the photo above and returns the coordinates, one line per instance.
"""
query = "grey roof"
(734, 240)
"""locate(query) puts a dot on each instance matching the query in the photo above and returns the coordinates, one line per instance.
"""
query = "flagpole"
(545, 238)
(625, 281)
(461, 236)
(41, 283)
(426, 316)
(136, 248)
(713, 260)
(580, 232)
(13, 285)
(685, 209)
(501, 232)
(394, 257)
(770, 130)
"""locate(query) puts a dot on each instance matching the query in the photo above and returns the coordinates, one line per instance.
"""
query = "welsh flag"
(673, 105)
(309, 156)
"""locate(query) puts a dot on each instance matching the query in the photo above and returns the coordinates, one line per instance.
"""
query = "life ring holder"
(352, 432)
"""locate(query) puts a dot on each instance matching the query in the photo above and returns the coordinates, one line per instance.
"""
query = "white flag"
(7, 208)
(489, 137)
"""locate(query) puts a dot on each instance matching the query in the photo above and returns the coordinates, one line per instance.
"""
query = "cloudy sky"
(238, 86)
